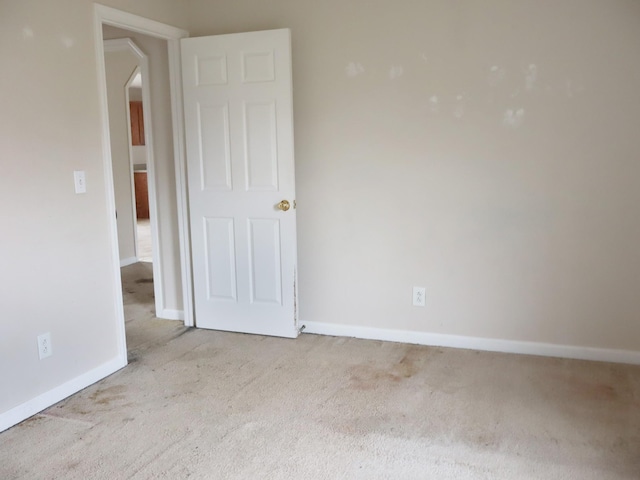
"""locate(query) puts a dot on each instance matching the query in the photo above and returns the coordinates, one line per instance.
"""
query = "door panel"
(264, 261)
(221, 259)
(260, 145)
(239, 130)
(215, 157)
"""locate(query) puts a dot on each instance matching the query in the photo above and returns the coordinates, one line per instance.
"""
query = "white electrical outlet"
(45, 348)
(418, 296)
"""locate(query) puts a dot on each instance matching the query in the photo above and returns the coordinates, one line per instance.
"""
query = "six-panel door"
(239, 130)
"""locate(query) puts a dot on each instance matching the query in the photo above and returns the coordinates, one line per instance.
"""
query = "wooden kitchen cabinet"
(137, 123)
(142, 194)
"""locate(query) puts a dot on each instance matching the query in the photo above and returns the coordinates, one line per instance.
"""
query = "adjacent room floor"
(143, 230)
(205, 404)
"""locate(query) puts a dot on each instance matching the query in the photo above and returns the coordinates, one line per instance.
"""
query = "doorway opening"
(129, 98)
(138, 154)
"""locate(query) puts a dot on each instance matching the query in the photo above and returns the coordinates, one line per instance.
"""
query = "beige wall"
(165, 182)
(119, 67)
(55, 254)
(513, 199)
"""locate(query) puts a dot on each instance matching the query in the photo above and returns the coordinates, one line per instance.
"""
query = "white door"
(239, 131)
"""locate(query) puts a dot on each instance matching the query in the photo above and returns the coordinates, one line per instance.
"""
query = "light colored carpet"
(144, 330)
(205, 404)
(143, 227)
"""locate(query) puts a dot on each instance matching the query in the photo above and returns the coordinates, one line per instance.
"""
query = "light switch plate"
(80, 181)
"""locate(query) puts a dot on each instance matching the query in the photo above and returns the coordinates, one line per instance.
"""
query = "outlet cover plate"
(44, 345)
(418, 296)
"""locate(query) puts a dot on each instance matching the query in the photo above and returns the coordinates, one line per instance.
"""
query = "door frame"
(148, 157)
(127, 44)
(104, 15)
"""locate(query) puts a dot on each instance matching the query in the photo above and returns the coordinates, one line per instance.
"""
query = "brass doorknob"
(284, 205)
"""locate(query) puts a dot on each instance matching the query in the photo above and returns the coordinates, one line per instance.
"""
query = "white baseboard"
(25, 410)
(128, 261)
(475, 343)
(170, 314)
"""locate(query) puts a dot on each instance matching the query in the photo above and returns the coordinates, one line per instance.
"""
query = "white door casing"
(240, 165)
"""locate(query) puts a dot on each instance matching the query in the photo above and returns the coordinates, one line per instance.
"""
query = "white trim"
(152, 191)
(177, 115)
(132, 186)
(171, 314)
(125, 262)
(475, 343)
(112, 227)
(120, 45)
(25, 410)
(117, 18)
(129, 21)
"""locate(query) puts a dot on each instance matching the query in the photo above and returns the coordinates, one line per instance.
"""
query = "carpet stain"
(32, 421)
(484, 440)
(182, 331)
(407, 366)
(76, 409)
(367, 377)
(603, 392)
(110, 394)
(594, 390)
